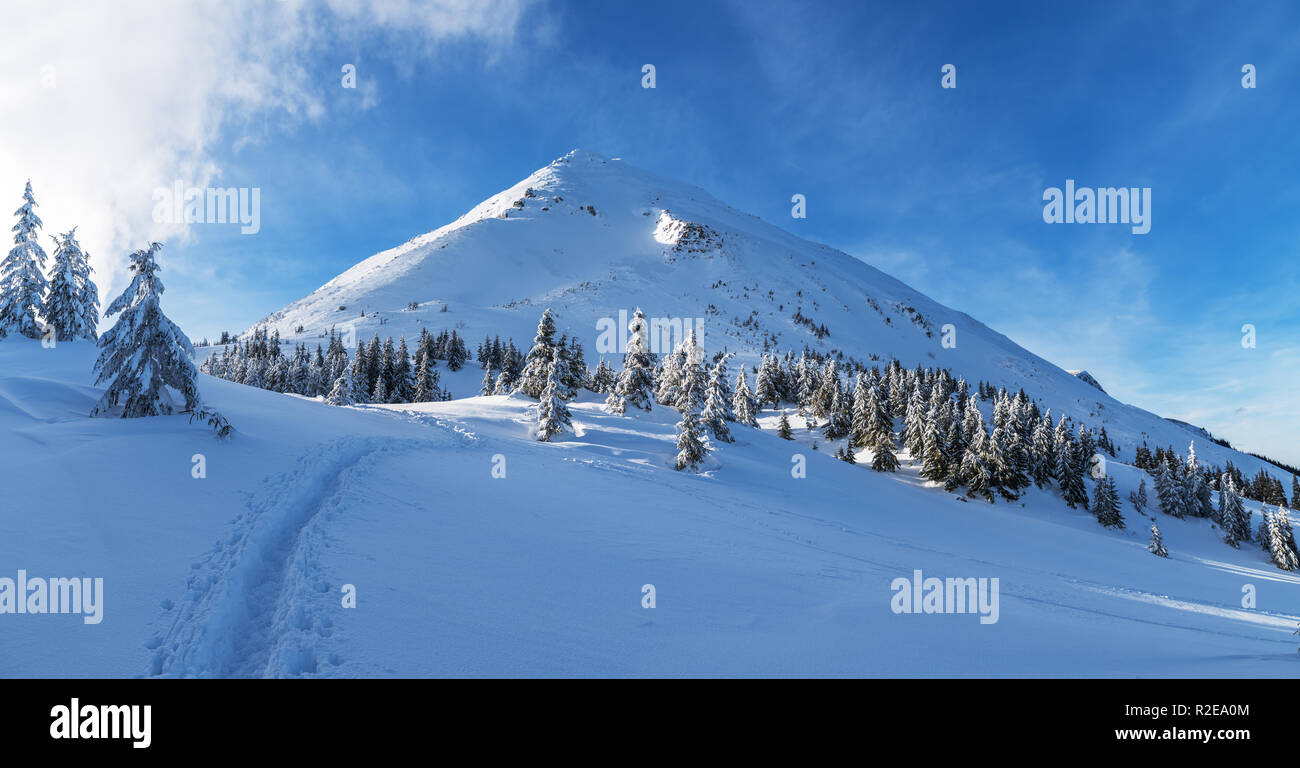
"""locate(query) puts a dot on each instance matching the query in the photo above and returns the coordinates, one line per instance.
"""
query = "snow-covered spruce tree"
(72, 305)
(552, 413)
(1168, 491)
(403, 389)
(783, 430)
(635, 383)
(341, 391)
(144, 356)
(1138, 498)
(1105, 503)
(359, 374)
(847, 453)
(602, 380)
(880, 438)
(1232, 516)
(692, 383)
(1070, 475)
(1157, 545)
(542, 355)
(1280, 542)
(717, 411)
(426, 381)
(1199, 499)
(1043, 449)
(934, 460)
(839, 417)
(765, 382)
(22, 275)
(914, 425)
(742, 401)
(690, 438)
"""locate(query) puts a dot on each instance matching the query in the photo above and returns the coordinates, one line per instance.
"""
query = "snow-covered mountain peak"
(593, 238)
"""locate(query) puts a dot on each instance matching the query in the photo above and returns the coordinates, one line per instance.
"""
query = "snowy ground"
(541, 572)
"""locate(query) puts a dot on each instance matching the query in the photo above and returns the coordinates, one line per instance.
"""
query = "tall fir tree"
(552, 413)
(22, 275)
(72, 305)
(742, 402)
(634, 385)
(540, 358)
(690, 438)
(717, 410)
(144, 356)
(1105, 503)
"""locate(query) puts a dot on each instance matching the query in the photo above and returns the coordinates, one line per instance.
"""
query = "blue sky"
(840, 102)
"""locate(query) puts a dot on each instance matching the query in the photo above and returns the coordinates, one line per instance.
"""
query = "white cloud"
(105, 102)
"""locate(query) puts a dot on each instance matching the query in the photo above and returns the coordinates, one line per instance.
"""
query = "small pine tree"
(1139, 497)
(1157, 545)
(848, 455)
(783, 430)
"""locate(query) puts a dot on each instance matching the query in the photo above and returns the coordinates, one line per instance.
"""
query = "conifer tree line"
(62, 306)
(1263, 487)
(378, 372)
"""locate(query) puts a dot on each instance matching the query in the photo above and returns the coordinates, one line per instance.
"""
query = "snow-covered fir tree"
(690, 438)
(602, 380)
(552, 414)
(1105, 503)
(144, 357)
(341, 391)
(1138, 498)
(742, 402)
(1072, 461)
(635, 383)
(765, 389)
(717, 410)
(22, 275)
(540, 358)
(1232, 516)
(1278, 540)
(691, 387)
(1157, 544)
(72, 305)
(783, 430)
(1169, 491)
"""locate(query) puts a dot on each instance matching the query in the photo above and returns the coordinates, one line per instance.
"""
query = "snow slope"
(541, 572)
(590, 237)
